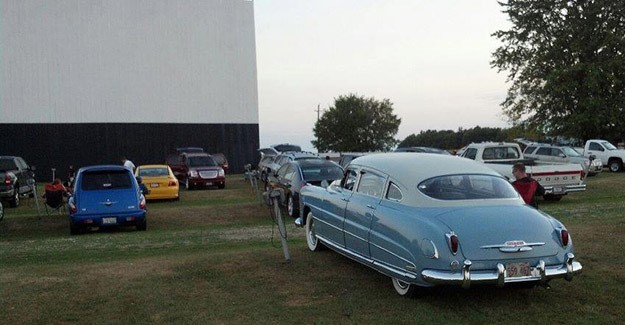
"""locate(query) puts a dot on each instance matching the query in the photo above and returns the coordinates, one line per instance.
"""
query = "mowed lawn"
(215, 257)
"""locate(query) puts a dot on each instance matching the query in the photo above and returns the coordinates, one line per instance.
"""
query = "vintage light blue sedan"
(426, 220)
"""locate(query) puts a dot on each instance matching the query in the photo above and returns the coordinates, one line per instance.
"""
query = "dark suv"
(16, 178)
(195, 169)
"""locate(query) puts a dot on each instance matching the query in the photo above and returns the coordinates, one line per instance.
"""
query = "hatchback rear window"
(105, 180)
(7, 164)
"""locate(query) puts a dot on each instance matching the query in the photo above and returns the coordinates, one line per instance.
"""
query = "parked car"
(264, 165)
(105, 196)
(189, 149)
(293, 176)
(562, 155)
(557, 179)
(17, 178)
(611, 156)
(160, 182)
(423, 149)
(221, 160)
(197, 170)
(449, 222)
(286, 157)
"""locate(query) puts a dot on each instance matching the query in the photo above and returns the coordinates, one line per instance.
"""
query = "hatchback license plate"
(154, 185)
(515, 270)
(109, 221)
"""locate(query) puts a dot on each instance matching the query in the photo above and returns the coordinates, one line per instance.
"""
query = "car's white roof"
(407, 169)
(419, 166)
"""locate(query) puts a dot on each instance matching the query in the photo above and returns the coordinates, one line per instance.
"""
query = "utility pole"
(318, 111)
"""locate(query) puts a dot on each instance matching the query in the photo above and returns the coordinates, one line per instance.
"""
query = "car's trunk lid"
(511, 232)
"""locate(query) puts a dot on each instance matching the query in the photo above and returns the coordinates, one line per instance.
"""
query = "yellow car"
(159, 181)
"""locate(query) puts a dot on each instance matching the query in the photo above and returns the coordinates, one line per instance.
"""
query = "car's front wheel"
(615, 165)
(404, 289)
(311, 237)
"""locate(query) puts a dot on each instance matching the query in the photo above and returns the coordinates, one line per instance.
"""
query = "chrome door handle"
(344, 199)
(371, 206)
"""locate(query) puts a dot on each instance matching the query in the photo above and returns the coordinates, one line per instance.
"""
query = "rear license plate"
(558, 190)
(154, 185)
(515, 270)
(109, 221)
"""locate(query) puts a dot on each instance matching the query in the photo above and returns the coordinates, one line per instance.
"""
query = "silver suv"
(562, 154)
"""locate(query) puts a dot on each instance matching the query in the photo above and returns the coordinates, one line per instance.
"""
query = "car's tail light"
(172, 182)
(142, 202)
(7, 180)
(452, 240)
(564, 237)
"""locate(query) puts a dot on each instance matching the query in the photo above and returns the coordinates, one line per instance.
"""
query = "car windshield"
(7, 164)
(322, 173)
(571, 152)
(153, 172)
(467, 187)
(201, 161)
(105, 180)
(608, 145)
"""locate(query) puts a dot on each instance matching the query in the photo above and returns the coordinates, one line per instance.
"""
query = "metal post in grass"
(271, 198)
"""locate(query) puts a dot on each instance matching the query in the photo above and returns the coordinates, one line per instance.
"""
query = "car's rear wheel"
(311, 237)
(142, 225)
(404, 289)
(552, 197)
(187, 185)
(15, 197)
(74, 229)
(291, 207)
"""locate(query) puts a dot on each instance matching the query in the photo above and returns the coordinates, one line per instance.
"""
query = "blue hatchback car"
(104, 196)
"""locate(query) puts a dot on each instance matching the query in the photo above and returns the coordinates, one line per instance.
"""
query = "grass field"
(215, 257)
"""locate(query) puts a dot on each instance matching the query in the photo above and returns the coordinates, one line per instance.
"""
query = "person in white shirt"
(128, 164)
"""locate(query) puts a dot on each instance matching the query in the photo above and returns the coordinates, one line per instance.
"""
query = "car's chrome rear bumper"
(466, 277)
(557, 190)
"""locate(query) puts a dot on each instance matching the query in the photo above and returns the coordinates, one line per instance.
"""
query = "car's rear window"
(201, 161)
(7, 164)
(105, 180)
(467, 187)
(153, 172)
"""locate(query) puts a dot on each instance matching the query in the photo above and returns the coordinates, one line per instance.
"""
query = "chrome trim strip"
(355, 236)
(566, 188)
(399, 257)
(370, 261)
(506, 246)
(327, 223)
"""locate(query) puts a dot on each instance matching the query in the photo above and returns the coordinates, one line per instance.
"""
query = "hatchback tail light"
(564, 237)
(7, 180)
(72, 208)
(172, 183)
(142, 202)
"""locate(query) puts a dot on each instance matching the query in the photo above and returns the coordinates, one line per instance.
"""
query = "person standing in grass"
(528, 187)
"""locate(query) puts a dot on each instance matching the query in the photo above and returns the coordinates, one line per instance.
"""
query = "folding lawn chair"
(54, 198)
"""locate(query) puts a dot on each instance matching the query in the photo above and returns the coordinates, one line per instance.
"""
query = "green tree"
(356, 123)
(566, 63)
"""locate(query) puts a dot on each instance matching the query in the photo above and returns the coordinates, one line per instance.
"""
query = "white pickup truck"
(611, 156)
(557, 179)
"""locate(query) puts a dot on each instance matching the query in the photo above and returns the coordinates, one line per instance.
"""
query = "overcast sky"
(429, 58)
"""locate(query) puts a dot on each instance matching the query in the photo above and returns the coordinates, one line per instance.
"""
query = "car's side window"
(529, 150)
(470, 153)
(595, 146)
(371, 184)
(349, 180)
(393, 193)
(283, 170)
(544, 151)
(290, 173)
